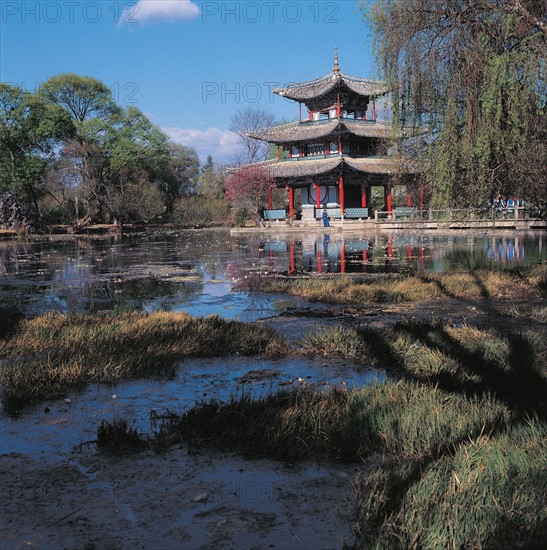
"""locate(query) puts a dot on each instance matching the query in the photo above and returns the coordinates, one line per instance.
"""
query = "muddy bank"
(179, 499)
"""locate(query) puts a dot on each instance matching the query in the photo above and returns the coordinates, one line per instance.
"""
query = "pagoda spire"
(336, 68)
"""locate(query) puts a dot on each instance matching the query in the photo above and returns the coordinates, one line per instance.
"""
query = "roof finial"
(336, 68)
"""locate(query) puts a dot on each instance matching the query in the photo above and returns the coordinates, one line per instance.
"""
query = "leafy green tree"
(212, 180)
(184, 172)
(471, 73)
(29, 131)
(83, 97)
(123, 167)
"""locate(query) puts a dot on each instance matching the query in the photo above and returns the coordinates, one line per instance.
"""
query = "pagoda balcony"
(345, 120)
(332, 156)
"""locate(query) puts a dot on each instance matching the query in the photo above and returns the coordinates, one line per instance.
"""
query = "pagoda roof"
(307, 131)
(294, 169)
(313, 89)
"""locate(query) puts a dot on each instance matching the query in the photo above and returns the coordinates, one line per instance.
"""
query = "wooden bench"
(355, 213)
(275, 214)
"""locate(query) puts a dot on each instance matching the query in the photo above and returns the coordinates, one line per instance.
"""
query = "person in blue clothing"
(326, 222)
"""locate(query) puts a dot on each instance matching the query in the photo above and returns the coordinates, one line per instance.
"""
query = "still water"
(203, 272)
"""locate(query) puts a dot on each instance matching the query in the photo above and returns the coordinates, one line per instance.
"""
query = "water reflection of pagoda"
(337, 154)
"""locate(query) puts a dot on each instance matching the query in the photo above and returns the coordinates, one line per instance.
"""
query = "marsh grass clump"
(335, 342)
(513, 367)
(408, 288)
(47, 356)
(488, 493)
(119, 437)
(404, 418)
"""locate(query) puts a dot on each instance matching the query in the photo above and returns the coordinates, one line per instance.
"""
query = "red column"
(374, 110)
(341, 192)
(408, 200)
(291, 202)
(388, 201)
(338, 107)
(317, 196)
(409, 253)
(363, 195)
(310, 115)
(343, 259)
(291, 257)
(270, 199)
(319, 262)
(278, 153)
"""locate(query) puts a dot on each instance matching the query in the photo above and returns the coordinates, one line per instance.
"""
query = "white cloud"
(146, 11)
(222, 145)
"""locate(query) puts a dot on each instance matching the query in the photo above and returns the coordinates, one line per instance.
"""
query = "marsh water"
(204, 272)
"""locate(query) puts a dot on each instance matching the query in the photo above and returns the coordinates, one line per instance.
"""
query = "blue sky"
(189, 65)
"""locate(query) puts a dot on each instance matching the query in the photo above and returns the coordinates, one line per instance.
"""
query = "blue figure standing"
(326, 222)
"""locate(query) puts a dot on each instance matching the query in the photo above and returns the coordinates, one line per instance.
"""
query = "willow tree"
(469, 77)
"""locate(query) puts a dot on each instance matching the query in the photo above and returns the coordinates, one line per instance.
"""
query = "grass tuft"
(48, 356)
(119, 437)
(531, 281)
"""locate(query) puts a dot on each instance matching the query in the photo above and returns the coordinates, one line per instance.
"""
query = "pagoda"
(337, 153)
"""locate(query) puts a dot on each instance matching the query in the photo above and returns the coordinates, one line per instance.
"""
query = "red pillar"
(363, 195)
(388, 201)
(409, 254)
(291, 202)
(317, 196)
(338, 107)
(270, 199)
(291, 257)
(319, 262)
(278, 153)
(374, 110)
(343, 259)
(408, 200)
(341, 192)
(310, 115)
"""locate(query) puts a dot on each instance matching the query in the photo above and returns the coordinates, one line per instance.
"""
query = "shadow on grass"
(518, 384)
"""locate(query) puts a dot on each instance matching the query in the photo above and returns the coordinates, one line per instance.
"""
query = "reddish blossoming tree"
(247, 189)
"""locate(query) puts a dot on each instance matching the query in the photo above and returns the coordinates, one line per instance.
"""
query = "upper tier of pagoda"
(337, 87)
(296, 132)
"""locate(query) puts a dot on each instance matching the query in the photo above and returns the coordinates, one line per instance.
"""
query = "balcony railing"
(333, 155)
(343, 119)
